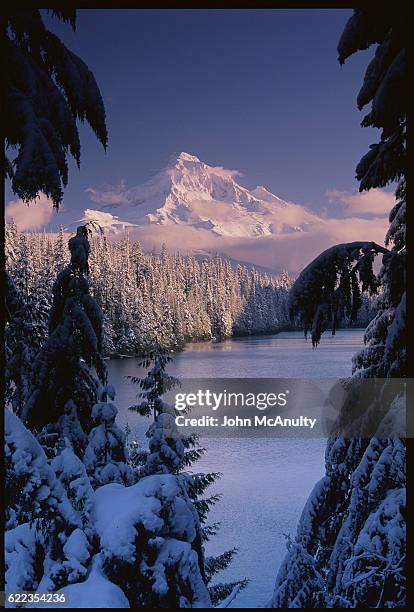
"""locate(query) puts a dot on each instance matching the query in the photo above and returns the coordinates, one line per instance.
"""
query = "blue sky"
(257, 91)
(260, 91)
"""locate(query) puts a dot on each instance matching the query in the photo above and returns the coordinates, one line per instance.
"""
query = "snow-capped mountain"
(190, 193)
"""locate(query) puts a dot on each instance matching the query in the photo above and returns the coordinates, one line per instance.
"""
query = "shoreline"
(120, 356)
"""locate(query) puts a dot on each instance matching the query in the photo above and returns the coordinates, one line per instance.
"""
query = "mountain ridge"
(189, 192)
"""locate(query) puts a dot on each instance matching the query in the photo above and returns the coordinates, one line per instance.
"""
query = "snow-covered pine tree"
(26, 325)
(68, 393)
(49, 534)
(61, 534)
(60, 252)
(171, 452)
(63, 388)
(352, 529)
(105, 456)
(155, 384)
(64, 398)
(141, 552)
(48, 88)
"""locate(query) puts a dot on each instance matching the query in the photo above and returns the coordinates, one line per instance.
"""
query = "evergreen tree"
(26, 327)
(352, 529)
(60, 252)
(63, 388)
(49, 534)
(171, 452)
(105, 456)
(47, 89)
(57, 539)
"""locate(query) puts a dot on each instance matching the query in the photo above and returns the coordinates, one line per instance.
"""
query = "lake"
(265, 482)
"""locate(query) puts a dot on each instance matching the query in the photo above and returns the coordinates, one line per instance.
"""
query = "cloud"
(364, 218)
(31, 216)
(110, 194)
(224, 172)
(374, 201)
(294, 251)
(290, 251)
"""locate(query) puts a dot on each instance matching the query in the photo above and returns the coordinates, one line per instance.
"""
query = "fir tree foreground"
(172, 452)
(350, 548)
(80, 520)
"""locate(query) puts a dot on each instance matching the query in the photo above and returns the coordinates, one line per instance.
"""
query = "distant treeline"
(163, 298)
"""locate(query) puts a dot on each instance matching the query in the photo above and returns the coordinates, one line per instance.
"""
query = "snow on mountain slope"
(192, 194)
(193, 207)
(107, 221)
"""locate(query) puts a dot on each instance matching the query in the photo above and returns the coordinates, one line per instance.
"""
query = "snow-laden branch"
(330, 286)
(226, 602)
(47, 89)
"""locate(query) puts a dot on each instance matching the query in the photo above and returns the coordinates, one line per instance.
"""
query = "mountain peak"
(182, 156)
(196, 200)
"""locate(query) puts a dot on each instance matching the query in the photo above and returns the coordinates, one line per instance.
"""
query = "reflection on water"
(265, 482)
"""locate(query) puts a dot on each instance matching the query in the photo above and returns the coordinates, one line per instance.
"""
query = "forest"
(164, 299)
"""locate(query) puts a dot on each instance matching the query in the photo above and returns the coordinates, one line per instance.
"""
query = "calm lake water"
(265, 482)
